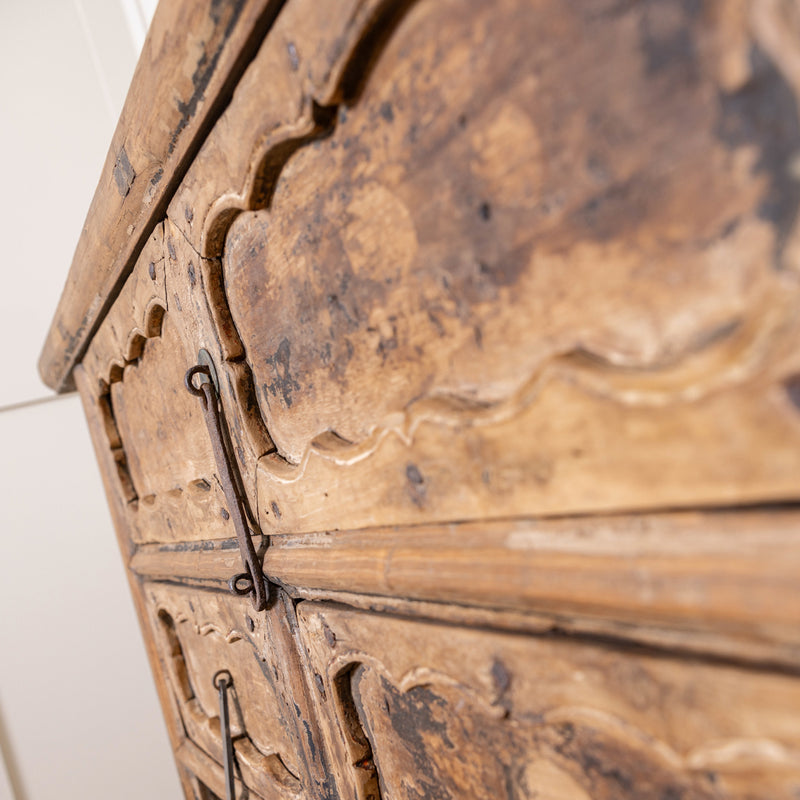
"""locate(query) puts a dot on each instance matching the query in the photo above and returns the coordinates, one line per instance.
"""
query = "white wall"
(79, 716)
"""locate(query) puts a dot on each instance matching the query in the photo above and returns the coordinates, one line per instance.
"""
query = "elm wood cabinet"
(496, 308)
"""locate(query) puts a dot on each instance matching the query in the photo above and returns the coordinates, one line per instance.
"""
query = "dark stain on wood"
(501, 677)
(189, 547)
(413, 716)
(764, 113)
(294, 60)
(792, 387)
(124, 174)
(666, 34)
(224, 14)
(420, 734)
(414, 475)
(387, 112)
(415, 483)
(283, 383)
(157, 176)
(608, 770)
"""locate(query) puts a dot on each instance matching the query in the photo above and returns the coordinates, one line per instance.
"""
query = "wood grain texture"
(722, 582)
(739, 572)
(442, 712)
(202, 49)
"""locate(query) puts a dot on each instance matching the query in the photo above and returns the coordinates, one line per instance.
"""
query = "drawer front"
(276, 744)
(484, 264)
(519, 289)
(166, 320)
(201, 633)
(436, 711)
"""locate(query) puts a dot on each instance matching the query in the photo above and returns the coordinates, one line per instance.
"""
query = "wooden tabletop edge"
(173, 101)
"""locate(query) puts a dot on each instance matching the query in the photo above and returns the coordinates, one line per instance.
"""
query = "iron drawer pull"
(223, 681)
(251, 581)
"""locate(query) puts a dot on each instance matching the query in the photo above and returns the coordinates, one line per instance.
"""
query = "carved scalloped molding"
(720, 755)
(269, 766)
(135, 317)
(689, 376)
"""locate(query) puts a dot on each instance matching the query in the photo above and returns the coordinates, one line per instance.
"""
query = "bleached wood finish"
(503, 302)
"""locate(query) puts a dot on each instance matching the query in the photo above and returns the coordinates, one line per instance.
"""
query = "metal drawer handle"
(251, 581)
(223, 680)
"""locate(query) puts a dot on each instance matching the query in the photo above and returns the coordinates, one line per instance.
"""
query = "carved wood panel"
(168, 311)
(475, 273)
(426, 311)
(200, 633)
(461, 266)
(431, 710)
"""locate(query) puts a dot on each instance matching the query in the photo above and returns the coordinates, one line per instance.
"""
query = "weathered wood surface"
(639, 364)
(470, 274)
(313, 53)
(167, 313)
(192, 58)
(441, 712)
(544, 282)
(553, 279)
(726, 582)
(200, 633)
(133, 319)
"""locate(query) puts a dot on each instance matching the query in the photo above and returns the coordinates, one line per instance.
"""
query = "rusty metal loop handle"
(222, 684)
(241, 584)
(218, 675)
(258, 588)
(199, 369)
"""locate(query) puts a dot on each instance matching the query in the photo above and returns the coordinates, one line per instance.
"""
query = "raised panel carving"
(199, 633)
(474, 265)
(452, 713)
(170, 308)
